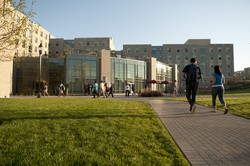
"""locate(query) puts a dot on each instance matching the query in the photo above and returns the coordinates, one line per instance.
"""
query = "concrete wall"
(6, 74)
(105, 69)
(152, 72)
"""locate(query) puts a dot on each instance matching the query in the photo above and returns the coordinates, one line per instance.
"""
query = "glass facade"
(164, 73)
(75, 71)
(125, 71)
(81, 70)
(26, 74)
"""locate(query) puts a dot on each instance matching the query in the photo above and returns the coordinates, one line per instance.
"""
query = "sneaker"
(226, 110)
(193, 108)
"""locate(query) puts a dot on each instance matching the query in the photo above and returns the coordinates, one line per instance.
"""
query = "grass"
(238, 103)
(80, 131)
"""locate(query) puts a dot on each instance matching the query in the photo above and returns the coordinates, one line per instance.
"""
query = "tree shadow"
(100, 116)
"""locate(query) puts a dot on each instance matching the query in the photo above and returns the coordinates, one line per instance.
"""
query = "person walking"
(192, 74)
(102, 89)
(95, 90)
(61, 90)
(217, 82)
(45, 90)
(174, 88)
(110, 90)
(127, 90)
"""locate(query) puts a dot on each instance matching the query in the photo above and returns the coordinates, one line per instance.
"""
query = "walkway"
(206, 138)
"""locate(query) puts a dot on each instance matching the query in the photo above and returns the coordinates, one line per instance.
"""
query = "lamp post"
(40, 48)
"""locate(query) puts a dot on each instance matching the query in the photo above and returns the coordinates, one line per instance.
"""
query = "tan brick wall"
(105, 66)
(6, 73)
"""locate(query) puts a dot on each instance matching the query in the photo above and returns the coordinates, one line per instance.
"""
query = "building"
(78, 70)
(25, 44)
(61, 47)
(247, 73)
(26, 74)
(207, 54)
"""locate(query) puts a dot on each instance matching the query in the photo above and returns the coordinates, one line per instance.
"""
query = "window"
(227, 49)
(145, 50)
(88, 43)
(194, 49)
(211, 50)
(219, 49)
(41, 33)
(169, 49)
(203, 51)
(30, 48)
(186, 49)
(128, 50)
(136, 50)
(177, 58)
(57, 43)
(177, 50)
(24, 44)
(18, 19)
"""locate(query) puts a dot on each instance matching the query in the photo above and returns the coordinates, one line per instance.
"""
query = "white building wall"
(6, 76)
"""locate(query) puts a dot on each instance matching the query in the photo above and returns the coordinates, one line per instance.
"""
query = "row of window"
(169, 49)
(178, 58)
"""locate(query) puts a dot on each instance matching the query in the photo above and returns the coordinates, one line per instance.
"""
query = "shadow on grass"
(100, 116)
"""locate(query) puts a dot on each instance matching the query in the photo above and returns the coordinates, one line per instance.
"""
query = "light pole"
(40, 48)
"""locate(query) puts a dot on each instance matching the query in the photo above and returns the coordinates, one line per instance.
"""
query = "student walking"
(110, 90)
(174, 88)
(217, 82)
(127, 90)
(95, 90)
(61, 90)
(192, 74)
(102, 89)
(45, 90)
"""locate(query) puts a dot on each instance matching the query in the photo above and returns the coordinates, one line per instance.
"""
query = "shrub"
(151, 94)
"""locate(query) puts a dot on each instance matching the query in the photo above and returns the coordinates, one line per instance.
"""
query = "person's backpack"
(193, 74)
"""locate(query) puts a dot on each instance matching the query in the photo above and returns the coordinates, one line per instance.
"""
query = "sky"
(155, 22)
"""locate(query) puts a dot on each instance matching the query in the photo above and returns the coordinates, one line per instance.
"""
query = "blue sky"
(153, 22)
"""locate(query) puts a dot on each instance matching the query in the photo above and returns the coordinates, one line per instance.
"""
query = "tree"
(14, 26)
(85, 69)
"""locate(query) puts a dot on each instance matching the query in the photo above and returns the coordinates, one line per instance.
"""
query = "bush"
(151, 94)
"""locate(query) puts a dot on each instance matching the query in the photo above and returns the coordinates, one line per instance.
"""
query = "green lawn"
(238, 103)
(81, 131)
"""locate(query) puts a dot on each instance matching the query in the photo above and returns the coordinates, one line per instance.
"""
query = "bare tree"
(14, 26)
(85, 69)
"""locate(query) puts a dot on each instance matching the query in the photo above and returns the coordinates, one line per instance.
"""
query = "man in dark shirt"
(192, 74)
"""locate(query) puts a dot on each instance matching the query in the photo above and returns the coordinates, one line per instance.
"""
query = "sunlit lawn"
(238, 103)
(81, 131)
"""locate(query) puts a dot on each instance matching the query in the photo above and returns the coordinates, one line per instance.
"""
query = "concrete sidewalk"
(206, 138)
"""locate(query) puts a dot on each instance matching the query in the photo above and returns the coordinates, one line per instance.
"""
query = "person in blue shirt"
(95, 91)
(217, 82)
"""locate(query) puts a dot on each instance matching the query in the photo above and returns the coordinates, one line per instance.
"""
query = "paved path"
(206, 138)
